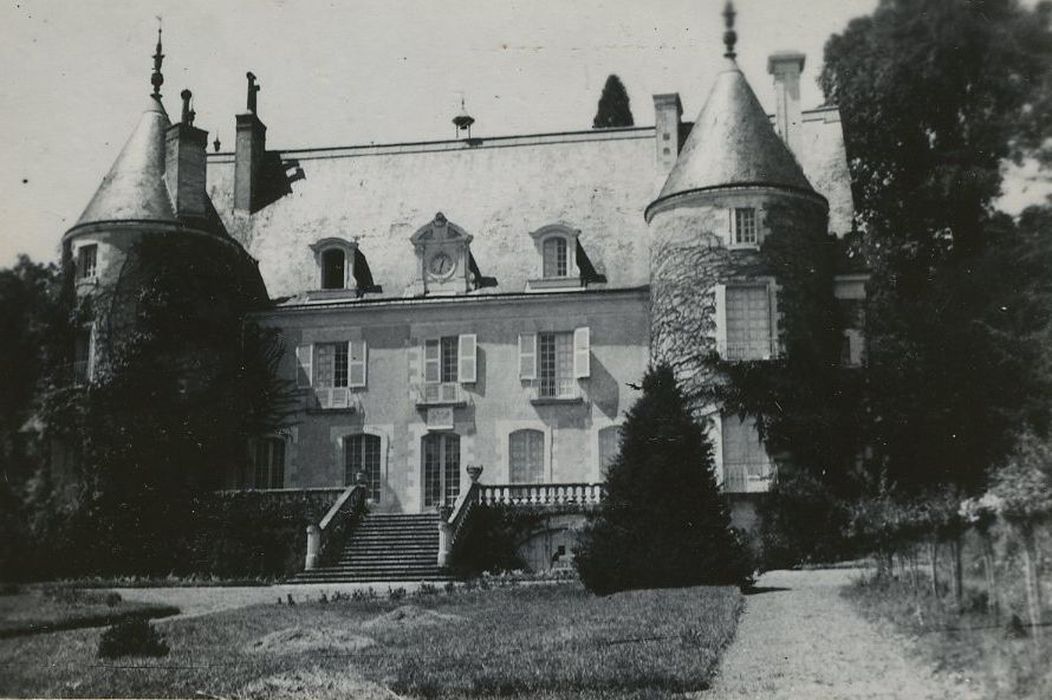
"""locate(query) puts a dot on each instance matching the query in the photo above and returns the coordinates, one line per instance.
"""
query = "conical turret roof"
(134, 189)
(733, 143)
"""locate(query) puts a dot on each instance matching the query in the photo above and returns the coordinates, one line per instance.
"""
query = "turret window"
(87, 259)
(745, 226)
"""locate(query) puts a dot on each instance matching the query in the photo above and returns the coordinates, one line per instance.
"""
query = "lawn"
(993, 651)
(553, 641)
(37, 610)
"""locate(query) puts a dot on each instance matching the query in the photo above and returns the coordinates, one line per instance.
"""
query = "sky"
(75, 75)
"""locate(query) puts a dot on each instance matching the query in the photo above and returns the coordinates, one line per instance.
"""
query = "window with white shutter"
(528, 356)
(357, 365)
(432, 361)
(304, 355)
(467, 357)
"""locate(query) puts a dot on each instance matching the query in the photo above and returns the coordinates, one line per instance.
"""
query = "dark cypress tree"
(663, 522)
(613, 107)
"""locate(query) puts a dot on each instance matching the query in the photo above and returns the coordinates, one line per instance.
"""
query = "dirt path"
(799, 639)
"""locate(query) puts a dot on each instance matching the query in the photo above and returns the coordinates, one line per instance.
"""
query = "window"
(609, 446)
(333, 269)
(441, 456)
(332, 365)
(451, 359)
(526, 456)
(362, 455)
(748, 323)
(556, 364)
(745, 226)
(556, 263)
(270, 464)
(87, 258)
(744, 457)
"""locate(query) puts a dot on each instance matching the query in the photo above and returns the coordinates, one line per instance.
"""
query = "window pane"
(325, 371)
(332, 269)
(555, 258)
(87, 256)
(451, 456)
(745, 225)
(432, 469)
(449, 358)
(81, 355)
(748, 323)
(556, 364)
(339, 376)
(609, 445)
(277, 464)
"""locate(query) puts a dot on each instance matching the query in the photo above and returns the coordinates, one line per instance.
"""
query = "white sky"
(75, 75)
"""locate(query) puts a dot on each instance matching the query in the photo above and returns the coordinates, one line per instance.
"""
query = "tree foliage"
(613, 109)
(935, 96)
(663, 522)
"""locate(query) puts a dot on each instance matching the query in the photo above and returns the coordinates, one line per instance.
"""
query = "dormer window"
(558, 260)
(335, 258)
(745, 228)
(556, 264)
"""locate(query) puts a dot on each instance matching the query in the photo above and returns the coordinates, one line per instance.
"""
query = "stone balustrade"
(541, 495)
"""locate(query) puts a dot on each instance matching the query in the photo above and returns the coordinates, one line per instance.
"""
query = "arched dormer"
(556, 264)
(335, 260)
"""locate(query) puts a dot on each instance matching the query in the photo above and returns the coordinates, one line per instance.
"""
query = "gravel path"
(800, 639)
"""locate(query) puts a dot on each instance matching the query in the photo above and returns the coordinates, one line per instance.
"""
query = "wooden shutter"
(357, 363)
(582, 352)
(467, 359)
(303, 365)
(528, 356)
(432, 361)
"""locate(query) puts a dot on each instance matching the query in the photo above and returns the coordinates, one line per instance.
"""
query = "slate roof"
(733, 143)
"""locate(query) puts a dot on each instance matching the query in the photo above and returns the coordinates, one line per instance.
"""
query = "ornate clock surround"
(442, 252)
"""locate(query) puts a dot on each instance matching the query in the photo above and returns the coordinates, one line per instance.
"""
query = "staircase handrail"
(451, 519)
(354, 495)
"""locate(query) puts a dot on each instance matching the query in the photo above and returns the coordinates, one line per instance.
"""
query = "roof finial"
(252, 90)
(188, 114)
(730, 37)
(157, 80)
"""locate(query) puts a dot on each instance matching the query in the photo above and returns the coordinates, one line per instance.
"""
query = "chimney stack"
(184, 164)
(786, 67)
(249, 146)
(667, 113)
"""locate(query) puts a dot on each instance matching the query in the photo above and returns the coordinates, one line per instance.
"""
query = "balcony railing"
(737, 351)
(542, 495)
(747, 477)
(552, 389)
(440, 394)
(335, 398)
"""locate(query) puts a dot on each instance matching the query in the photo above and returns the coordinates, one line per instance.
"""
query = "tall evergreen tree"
(663, 522)
(613, 107)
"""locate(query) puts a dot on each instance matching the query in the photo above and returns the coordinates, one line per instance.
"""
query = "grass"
(553, 641)
(37, 610)
(992, 651)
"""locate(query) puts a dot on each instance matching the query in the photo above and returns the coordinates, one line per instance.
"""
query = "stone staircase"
(395, 547)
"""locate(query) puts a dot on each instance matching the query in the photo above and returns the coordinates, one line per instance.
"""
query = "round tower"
(732, 179)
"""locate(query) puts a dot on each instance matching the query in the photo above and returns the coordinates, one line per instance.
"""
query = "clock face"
(440, 265)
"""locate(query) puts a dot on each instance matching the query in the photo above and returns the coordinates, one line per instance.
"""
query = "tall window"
(526, 456)
(609, 446)
(270, 464)
(362, 454)
(441, 455)
(333, 269)
(744, 456)
(556, 260)
(555, 364)
(87, 258)
(332, 365)
(745, 226)
(748, 315)
(440, 359)
(83, 355)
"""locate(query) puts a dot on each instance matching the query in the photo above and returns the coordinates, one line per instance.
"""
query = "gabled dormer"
(443, 259)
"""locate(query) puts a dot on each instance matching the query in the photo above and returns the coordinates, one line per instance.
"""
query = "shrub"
(492, 540)
(663, 522)
(802, 521)
(112, 599)
(132, 637)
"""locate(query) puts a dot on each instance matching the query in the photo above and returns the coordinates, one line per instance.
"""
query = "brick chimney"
(184, 164)
(786, 66)
(249, 147)
(667, 112)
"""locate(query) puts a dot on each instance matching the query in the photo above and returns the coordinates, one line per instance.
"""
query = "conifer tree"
(613, 107)
(663, 522)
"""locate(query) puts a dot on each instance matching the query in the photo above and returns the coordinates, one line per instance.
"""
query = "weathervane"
(157, 80)
(730, 37)
(463, 121)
